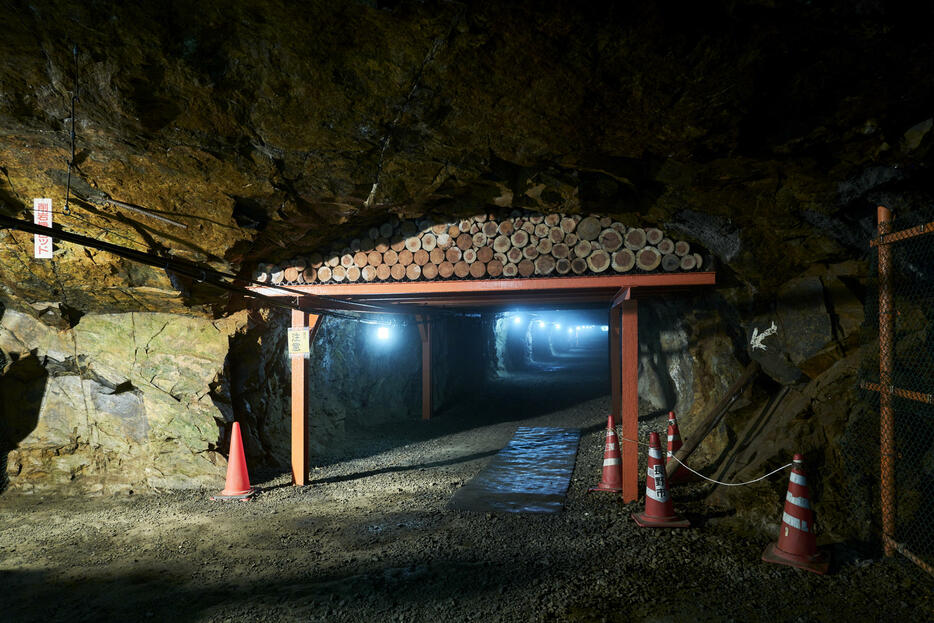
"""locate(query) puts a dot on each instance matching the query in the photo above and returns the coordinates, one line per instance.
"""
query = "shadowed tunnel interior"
(542, 355)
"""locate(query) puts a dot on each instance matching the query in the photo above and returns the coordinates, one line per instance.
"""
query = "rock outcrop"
(120, 401)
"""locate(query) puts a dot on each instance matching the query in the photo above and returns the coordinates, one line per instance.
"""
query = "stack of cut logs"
(486, 246)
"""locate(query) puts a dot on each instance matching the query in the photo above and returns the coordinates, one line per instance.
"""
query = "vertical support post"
(615, 338)
(299, 382)
(630, 398)
(886, 365)
(424, 329)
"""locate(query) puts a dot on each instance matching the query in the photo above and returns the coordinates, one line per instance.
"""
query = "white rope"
(725, 484)
(732, 484)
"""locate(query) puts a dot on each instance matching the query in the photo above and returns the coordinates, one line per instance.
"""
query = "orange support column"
(615, 374)
(629, 403)
(424, 329)
(300, 400)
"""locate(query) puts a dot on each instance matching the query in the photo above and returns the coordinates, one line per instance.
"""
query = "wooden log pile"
(520, 244)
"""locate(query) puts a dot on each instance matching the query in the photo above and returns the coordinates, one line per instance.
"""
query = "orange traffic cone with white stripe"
(659, 510)
(674, 444)
(797, 544)
(237, 486)
(612, 479)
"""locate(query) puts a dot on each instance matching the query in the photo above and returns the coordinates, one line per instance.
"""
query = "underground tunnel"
(421, 311)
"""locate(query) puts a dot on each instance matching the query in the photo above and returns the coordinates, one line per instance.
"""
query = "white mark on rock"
(756, 341)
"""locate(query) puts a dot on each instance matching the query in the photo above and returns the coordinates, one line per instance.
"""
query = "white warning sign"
(299, 342)
(42, 215)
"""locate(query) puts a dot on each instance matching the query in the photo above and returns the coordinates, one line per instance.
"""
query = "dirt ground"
(371, 539)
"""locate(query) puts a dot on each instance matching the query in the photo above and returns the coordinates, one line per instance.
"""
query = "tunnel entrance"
(617, 295)
(548, 339)
(546, 359)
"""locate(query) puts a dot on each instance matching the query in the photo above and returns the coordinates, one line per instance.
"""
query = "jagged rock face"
(120, 401)
(762, 132)
(827, 421)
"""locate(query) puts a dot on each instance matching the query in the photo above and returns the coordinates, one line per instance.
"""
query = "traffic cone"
(237, 486)
(659, 511)
(797, 545)
(612, 479)
(674, 444)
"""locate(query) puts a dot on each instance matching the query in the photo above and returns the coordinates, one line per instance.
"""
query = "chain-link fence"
(900, 375)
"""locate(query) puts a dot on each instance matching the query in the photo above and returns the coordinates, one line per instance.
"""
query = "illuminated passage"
(530, 475)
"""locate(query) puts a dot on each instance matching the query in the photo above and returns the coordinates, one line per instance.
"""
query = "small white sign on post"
(42, 215)
(300, 342)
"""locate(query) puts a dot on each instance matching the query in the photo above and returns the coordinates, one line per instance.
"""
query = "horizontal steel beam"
(616, 282)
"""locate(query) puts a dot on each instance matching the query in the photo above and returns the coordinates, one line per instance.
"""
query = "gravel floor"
(371, 539)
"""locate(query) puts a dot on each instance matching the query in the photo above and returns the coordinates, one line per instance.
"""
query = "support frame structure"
(619, 294)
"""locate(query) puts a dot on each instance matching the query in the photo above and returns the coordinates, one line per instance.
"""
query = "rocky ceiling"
(763, 131)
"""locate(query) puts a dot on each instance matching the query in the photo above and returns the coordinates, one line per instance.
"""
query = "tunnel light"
(541, 324)
(570, 330)
(604, 327)
(517, 319)
(557, 325)
(382, 333)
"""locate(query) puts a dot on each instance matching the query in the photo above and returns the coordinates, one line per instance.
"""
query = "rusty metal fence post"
(886, 363)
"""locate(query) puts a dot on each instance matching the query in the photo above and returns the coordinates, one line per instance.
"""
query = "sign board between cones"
(300, 342)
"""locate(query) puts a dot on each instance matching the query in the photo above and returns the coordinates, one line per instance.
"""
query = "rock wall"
(356, 379)
(827, 421)
(118, 402)
(809, 342)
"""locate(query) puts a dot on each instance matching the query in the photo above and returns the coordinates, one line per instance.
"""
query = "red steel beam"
(487, 301)
(299, 384)
(630, 398)
(551, 300)
(614, 282)
(424, 330)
